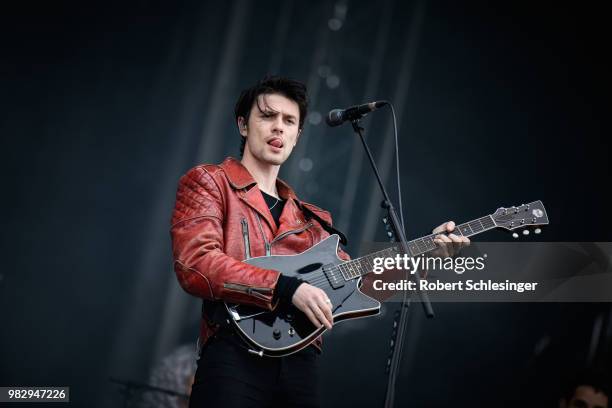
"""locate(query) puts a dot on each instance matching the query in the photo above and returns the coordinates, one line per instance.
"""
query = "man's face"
(272, 129)
(585, 396)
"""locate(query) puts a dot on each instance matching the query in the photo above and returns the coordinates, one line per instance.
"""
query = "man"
(237, 210)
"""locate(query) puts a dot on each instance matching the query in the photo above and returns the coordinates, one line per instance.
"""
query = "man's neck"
(264, 174)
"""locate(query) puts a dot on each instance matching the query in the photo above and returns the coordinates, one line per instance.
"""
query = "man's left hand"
(451, 244)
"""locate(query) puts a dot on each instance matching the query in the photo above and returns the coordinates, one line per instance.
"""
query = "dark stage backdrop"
(106, 104)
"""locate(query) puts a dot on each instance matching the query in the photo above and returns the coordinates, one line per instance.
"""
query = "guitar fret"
(369, 266)
(429, 243)
(412, 246)
(351, 271)
(488, 222)
(482, 224)
(360, 267)
(421, 245)
(476, 226)
(344, 271)
(364, 265)
(465, 229)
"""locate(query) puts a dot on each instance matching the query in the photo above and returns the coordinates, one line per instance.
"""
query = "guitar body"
(286, 329)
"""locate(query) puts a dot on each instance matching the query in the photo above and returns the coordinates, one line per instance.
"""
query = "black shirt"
(275, 205)
(286, 286)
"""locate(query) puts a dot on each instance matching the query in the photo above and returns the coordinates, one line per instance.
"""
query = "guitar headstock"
(521, 217)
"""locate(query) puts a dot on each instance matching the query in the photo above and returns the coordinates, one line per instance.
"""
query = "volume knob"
(276, 334)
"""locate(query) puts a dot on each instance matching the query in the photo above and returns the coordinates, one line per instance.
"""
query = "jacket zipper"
(249, 290)
(267, 244)
(281, 236)
(295, 231)
(245, 237)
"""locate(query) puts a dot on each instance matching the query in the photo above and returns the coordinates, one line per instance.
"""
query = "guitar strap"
(308, 213)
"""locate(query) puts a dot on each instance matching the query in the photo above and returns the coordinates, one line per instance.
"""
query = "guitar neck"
(362, 266)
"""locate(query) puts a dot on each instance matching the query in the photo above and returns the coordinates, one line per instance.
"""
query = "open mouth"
(276, 142)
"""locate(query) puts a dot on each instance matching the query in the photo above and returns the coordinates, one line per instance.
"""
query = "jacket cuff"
(285, 288)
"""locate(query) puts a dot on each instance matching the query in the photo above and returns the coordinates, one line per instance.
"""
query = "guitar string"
(320, 277)
(484, 222)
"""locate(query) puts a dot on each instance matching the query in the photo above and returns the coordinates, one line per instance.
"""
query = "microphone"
(337, 117)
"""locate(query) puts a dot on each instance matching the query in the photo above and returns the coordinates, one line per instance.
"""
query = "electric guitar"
(286, 330)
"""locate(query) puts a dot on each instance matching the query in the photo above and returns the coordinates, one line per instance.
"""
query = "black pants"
(229, 376)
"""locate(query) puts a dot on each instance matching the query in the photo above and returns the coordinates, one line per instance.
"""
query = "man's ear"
(242, 126)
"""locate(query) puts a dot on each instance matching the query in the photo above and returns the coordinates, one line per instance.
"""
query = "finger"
(454, 238)
(445, 243)
(443, 238)
(465, 242)
(440, 228)
(442, 247)
(326, 307)
(321, 316)
(450, 226)
(455, 245)
(459, 241)
(320, 309)
(315, 322)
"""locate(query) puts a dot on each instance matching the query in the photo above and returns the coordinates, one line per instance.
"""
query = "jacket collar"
(240, 178)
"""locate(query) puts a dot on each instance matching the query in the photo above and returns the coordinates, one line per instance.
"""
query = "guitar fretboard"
(361, 266)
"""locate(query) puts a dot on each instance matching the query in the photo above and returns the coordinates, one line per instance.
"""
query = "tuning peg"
(514, 235)
(537, 230)
(526, 232)
(389, 234)
(384, 220)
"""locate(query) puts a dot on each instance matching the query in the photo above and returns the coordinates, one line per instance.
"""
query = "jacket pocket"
(245, 238)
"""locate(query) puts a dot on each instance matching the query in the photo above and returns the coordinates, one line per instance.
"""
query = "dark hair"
(289, 88)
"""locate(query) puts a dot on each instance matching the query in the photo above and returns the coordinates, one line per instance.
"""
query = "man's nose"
(278, 125)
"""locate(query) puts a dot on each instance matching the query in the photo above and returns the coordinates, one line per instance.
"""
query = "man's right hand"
(315, 304)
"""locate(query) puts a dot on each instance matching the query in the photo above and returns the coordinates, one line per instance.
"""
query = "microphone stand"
(395, 232)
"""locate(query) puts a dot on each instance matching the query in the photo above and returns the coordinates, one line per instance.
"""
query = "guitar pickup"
(333, 275)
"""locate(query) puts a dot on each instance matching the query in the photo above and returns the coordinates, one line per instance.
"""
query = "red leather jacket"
(221, 218)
